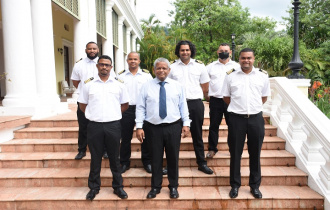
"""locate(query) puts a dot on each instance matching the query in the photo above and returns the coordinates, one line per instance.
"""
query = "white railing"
(306, 131)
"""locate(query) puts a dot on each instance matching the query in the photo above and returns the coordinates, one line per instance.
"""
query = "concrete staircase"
(38, 171)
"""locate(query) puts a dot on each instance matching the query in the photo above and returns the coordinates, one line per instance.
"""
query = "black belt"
(245, 115)
(194, 99)
(133, 106)
(163, 124)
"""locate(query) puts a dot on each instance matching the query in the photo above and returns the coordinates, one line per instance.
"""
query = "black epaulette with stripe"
(121, 72)
(172, 62)
(78, 60)
(263, 71)
(198, 61)
(146, 71)
(230, 71)
(119, 80)
(88, 80)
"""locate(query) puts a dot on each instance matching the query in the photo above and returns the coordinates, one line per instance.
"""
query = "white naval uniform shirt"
(134, 83)
(191, 76)
(217, 73)
(246, 91)
(103, 99)
(147, 107)
(85, 69)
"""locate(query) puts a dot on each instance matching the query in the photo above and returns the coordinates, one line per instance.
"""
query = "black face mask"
(224, 55)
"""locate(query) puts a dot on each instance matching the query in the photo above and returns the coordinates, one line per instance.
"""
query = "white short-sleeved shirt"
(246, 90)
(85, 69)
(147, 107)
(134, 83)
(217, 73)
(191, 76)
(103, 99)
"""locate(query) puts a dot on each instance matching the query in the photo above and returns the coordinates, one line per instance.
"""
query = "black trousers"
(99, 135)
(218, 108)
(82, 136)
(254, 129)
(196, 114)
(162, 136)
(127, 126)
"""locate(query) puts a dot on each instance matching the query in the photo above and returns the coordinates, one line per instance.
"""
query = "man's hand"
(185, 131)
(140, 134)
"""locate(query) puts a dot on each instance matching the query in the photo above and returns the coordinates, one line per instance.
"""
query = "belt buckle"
(247, 116)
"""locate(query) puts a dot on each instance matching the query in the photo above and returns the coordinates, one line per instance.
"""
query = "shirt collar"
(190, 61)
(254, 70)
(138, 72)
(167, 80)
(94, 60)
(97, 78)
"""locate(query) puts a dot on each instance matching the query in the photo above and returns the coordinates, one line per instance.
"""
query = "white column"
(2, 66)
(92, 34)
(120, 52)
(108, 43)
(134, 42)
(128, 38)
(80, 32)
(19, 54)
(42, 26)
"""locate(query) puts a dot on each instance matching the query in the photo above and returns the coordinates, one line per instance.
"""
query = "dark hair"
(224, 44)
(104, 57)
(246, 50)
(90, 43)
(185, 42)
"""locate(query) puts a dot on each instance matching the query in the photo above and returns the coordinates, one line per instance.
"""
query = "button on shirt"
(190, 76)
(103, 99)
(134, 83)
(217, 73)
(147, 107)
(85, 69)
(246, 91)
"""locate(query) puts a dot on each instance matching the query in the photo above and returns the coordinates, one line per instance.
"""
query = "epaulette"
(119, 80)
(88, 80)
(263, 71)
(145, 71)
(121, 72)
(172, 62)
(78, 60)
(198, 61)
(230, 71)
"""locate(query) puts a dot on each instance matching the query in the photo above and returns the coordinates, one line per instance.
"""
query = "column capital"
(109, 4)
(121, 19)
(134, 36)
(128, 31)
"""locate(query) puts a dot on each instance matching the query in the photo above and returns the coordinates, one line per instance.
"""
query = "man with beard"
(217, 72)
(83, 70)
(103, 100)
(133, 79)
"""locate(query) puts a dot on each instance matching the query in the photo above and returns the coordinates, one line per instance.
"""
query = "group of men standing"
(165, 109)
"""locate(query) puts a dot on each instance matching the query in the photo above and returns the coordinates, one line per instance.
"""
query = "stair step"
(138, 177)
(71, 145)
(213, 197)
(187, 158)
(72, 132)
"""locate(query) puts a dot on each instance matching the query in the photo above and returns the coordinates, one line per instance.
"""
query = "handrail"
(306, 131)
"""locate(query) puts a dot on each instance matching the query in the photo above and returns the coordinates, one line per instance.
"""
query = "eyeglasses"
(104, 65)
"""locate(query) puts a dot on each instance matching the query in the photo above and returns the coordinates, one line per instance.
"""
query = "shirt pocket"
(236, 89)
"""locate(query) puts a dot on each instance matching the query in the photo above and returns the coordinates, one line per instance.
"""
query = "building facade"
(40, 40)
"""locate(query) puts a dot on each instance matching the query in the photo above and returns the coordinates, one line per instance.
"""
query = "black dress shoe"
(91, 194)
(233, 192)
(205, 169)
(121, 193)
(165, 170)
(174, 193)
(256, 192)
(80, 155)
(124, 168)
(153, 192)
(105, 155)
(148, 168)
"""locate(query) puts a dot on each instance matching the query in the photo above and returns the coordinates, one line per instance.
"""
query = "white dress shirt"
(134, 83)
(191, 76)
(103, 99)
(85, 69)
(147, 107)
(217, 73)
(246, 91)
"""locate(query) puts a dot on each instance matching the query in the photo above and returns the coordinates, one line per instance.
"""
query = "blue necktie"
(162, 101)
